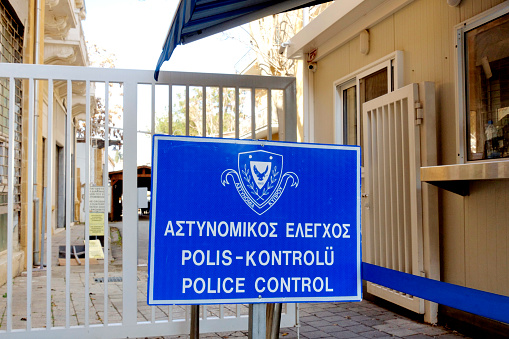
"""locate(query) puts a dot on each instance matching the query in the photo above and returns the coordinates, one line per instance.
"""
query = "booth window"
(486, 49)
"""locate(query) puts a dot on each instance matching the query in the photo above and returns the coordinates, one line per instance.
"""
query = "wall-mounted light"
(364, 42)
(453, 3)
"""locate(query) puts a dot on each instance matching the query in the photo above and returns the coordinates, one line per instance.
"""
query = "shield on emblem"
(260, 173)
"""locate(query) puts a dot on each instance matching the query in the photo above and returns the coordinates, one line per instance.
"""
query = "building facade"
(363, 50)
(38, 32)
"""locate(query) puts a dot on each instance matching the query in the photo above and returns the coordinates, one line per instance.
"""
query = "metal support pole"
(273, 320)
(257, 321)
(195, 322)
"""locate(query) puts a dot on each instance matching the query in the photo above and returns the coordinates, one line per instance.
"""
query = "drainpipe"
(36, 256)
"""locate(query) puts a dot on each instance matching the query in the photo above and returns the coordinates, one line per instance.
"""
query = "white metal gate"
(392, 228)
(109, 300)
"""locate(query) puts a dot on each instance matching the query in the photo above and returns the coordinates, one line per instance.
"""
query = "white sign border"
(150, 297)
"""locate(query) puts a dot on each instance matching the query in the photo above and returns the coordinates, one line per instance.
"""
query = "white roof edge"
(338, 24)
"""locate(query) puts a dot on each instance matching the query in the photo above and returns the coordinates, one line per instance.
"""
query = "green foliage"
(212, 119)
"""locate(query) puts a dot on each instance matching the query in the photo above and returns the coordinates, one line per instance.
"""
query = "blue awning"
(197, 19)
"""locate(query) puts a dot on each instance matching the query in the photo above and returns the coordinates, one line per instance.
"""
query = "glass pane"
(487, 76)
(375, 85)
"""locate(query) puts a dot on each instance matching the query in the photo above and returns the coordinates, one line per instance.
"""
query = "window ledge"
(456, 178)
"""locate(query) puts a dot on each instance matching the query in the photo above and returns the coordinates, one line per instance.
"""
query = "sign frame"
(151, 300)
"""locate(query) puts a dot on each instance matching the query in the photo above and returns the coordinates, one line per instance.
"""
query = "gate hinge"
(419, 113)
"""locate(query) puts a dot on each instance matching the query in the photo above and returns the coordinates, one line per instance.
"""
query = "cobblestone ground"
(317, 320)
(350, 320)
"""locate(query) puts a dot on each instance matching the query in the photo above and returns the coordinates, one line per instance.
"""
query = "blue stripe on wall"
(489, 305)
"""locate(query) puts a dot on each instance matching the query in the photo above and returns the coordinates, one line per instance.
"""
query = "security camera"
(282, 48)
(312, 66)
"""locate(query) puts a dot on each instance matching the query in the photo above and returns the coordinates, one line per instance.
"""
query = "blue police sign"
(237, 221)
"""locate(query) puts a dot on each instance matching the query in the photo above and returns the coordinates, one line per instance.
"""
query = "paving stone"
(310, 318)
(358, 328)
(346, 323)
(316, 334)
(400, 321)
(375, 334)
(346, 334)
(454, 335)
(419, 336)
(332, 329)
(359, 318)
(323, 314)
(319, 323)
(432, 330)
(371, 322)
(401, 332)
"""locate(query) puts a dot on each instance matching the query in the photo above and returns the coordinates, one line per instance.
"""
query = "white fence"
(80, 301)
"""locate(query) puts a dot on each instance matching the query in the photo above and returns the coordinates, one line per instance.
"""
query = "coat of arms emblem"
(260, 180)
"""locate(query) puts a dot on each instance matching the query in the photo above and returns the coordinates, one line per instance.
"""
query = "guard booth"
(116, 181)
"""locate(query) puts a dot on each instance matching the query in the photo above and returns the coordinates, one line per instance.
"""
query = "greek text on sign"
(250, 221)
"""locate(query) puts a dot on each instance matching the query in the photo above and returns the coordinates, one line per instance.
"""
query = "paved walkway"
(317, 320)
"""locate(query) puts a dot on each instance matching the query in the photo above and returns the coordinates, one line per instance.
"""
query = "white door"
(392, 210)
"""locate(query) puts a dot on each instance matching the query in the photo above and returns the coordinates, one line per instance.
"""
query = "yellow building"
(364, 50)
(38, 32)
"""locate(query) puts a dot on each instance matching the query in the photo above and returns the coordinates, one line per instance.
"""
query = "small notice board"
(236, 221)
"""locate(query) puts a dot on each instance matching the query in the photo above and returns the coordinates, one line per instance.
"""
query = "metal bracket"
(419, 113)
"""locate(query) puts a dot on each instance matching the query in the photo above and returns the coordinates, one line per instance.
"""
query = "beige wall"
(474, 233)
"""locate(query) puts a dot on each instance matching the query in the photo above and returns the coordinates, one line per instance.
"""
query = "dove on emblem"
(260, 175)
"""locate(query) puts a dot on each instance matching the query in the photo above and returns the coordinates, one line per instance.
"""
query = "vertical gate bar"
(376, 198)
(106, 198)
(289, 117)
(253, 113)
(153, 110)
(386, 165)
(68, 230)
(415, 184)
(204, 111)
(392, 185)
(187, 110)
(170, 109)
(407, 239)
(30, 200)
(399, 201)
(130, 214)
(87, 194)
(237, 311)
(367, 183)
(170, 314)
(49, 194)
(373, 192)
(221, 122)
(10, 200)
(237, 113)
(205, 312)
(269, 114)
(152, 131)
(383, 169)
(221, 311)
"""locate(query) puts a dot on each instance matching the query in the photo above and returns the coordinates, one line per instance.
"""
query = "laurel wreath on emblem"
(272, 180)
